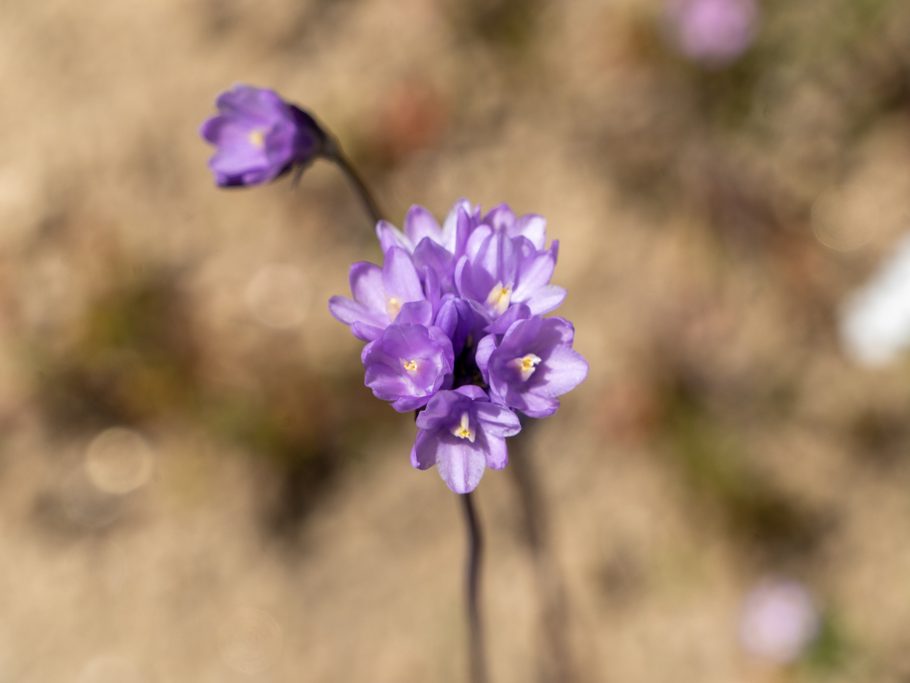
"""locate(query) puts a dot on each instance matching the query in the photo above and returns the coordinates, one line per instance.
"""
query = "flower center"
(463, 429)
(526, 365)
(410, 365)
(499, 298)
(393, 307)
(257, 138)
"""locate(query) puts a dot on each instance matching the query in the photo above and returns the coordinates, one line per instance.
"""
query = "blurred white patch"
(110, 669)
(276, 296)
(875, 320)
(118, 461)
(778, 621)
(251, 641)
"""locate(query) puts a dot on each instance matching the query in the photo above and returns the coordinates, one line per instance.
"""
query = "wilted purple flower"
(408, 364)
(532, 365)
(259, 136)
(462, 433)
(381, 295)
(713, 31)
(779, 620)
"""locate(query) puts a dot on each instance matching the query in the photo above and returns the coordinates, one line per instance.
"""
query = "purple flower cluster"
(258, 136)
(453, 327)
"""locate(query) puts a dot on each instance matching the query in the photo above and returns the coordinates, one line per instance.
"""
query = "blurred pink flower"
(713, 32)
(779, 619)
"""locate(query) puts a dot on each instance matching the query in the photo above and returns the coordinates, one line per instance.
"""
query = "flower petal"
(546, 299)
(439, 410)
(460, 465)
(485, 348)
(400, 276)
(532, 227)
(416, 313)
(497, 452)
(367, 287)
(457, 227)
(419, 223)
(535, 273)
(251, 102)
(537, 405)
(564, 370)
(356, 315)
(423, 452)
(514, 313)
(366, 331)
(432, 256)
(497, 420)
(390, 236)
(472, 391)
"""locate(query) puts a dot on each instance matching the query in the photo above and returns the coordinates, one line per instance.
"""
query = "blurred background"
(196, 487)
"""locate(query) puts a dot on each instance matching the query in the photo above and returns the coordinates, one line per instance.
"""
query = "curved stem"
(476, 654)
(334, 153)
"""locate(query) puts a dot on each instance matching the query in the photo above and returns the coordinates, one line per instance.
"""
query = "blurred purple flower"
(462, 433)
(408, 364)
(779, 619)
(532, 365)
(258, 136)
(714, 32)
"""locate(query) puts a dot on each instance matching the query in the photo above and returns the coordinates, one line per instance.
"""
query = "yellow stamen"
(409, 365)
(393, 307)
(463, 429)
(499, 298)
(257, 138)
(526, 365)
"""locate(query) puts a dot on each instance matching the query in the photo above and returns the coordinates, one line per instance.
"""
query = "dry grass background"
(195, 486)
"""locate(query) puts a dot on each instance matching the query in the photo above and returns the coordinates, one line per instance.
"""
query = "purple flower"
(420, 223)
(408, 364)
(530, 226)
(438, 254)
(434, 248)
(497, 271)
(454, 329)
(462, 433)
(713, 31)
(532, 365)
(382, 296)
(259, 136)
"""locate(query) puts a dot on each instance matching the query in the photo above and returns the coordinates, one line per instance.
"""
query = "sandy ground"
(195, 486)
